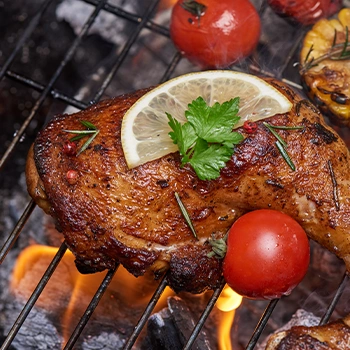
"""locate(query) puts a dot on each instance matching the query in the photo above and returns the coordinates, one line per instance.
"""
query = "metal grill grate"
(52, 91)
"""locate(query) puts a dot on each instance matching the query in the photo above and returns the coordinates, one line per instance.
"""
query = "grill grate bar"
(262, 323)
(55, 76)
(16, 231)
(148, 310)
(204, 316)
(335, 299)
(91, 308)
(132, 17)
(26, 34)
(297, 40)
(125, 50)
(171, 67)
(57, 94)
(34, 297)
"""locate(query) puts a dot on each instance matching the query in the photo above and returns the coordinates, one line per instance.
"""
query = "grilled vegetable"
(305, 12)
(325, 66)
(267, 255)
(215, 34)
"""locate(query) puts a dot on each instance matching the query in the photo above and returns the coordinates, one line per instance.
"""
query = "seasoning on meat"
(114, 214)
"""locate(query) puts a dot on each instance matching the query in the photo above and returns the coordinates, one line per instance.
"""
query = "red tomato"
(305, 11)
(221, 33)
(267, 255)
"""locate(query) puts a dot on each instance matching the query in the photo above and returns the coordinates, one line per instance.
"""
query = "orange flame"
(228, 302)
(68, 292)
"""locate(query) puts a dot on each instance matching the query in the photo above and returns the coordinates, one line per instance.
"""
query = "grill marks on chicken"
(111, 214)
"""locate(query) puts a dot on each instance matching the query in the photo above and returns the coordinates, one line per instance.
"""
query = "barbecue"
(110, 76)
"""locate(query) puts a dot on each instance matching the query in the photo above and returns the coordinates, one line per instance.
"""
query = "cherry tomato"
(215, 34)
(305, 12)
(267, 255)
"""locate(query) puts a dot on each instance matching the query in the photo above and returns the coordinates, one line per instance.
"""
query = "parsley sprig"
(206, 141)
(90, 131)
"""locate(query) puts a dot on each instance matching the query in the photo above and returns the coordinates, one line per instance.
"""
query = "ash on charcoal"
(37, 332)
(149, 55)
(105, 341)
(116, 31)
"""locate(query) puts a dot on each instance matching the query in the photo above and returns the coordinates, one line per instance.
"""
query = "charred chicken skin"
(332, 336)
(110, 214)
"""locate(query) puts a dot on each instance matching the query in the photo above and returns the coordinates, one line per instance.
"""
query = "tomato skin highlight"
(305, 12)
(226, 32)
(268, 254)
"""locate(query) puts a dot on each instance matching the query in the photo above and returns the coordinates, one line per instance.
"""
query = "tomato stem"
(195, 8)
(219, 247)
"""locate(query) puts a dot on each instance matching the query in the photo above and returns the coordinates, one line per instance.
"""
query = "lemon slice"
(145, 128)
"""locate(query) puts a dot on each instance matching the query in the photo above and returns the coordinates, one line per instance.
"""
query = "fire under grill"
(61, 56)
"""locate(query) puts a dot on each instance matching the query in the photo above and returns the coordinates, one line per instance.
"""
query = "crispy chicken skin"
(112, 214)
(332, 336)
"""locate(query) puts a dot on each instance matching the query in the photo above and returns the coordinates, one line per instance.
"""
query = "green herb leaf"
(280, 143)
(185, 214)
(207, 160)
(218, 246)
(91, 131)
(215, 123)
(206, 140)
(183, 135)
(285, 155)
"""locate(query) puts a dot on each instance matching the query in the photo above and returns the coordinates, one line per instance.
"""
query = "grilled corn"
(325, 66)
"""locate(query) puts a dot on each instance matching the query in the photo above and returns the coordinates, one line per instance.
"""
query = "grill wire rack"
(49, 91)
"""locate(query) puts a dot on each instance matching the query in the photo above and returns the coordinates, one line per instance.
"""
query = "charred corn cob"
(325, 66)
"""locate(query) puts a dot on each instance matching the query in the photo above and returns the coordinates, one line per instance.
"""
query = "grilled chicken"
(325, 72)
(333, 336)
(109, 214)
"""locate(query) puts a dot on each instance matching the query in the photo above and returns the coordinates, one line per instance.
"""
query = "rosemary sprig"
(280, 143)
(336, 52)
(274, 133)
(335, 185)
(185, 214)
(90, 131)
(285, 155)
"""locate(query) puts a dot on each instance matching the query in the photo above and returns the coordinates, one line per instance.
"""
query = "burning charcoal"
(185, 322)
(162, 333)
(171, 327)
